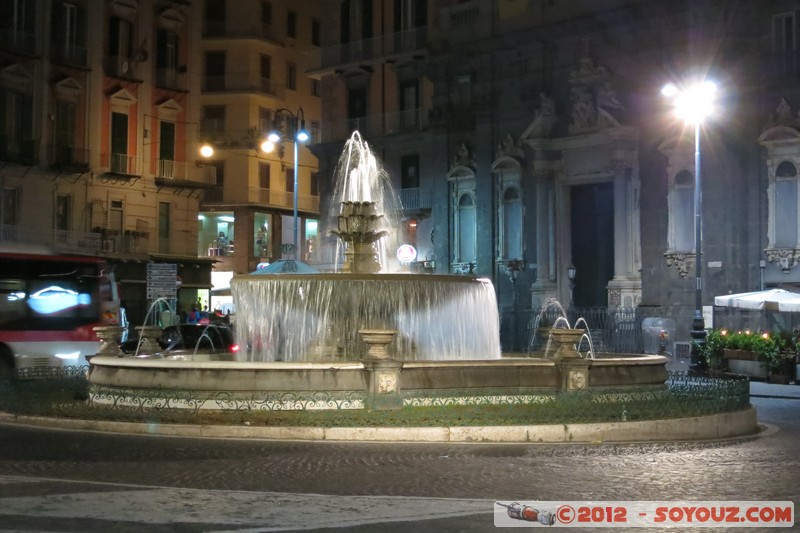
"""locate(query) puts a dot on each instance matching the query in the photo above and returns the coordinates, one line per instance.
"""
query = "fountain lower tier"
(315, 317)
(346, 385)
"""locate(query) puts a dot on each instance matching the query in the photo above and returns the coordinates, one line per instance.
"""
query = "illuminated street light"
(300, 136)
(206, 150)
(693, 104)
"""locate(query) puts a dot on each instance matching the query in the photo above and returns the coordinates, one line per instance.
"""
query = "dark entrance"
(592, 242)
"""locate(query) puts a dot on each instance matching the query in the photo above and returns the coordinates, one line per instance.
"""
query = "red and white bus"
(49, 305)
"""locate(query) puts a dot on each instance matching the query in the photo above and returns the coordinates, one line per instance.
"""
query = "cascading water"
(287, 317)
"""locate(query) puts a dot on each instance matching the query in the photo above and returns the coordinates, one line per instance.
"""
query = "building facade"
(254, 63)
(534, 136)
(98, 149)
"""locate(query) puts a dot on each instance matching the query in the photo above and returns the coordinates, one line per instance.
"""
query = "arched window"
(512, 224)
(466, 229)
(681, 212)
(786, 205)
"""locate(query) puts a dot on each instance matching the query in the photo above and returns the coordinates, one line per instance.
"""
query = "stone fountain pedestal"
(573, 370)
(109, 337)
(148, 335)
(383, 382)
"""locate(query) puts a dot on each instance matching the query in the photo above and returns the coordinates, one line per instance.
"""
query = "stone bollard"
(383, 384)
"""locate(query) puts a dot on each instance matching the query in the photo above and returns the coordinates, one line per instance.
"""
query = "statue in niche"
(782, 116)
(509, 148)
(463, 157)
(584, 111)
(544, 119)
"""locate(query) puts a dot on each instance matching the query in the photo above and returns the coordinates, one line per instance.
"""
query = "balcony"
(180, 175)
(284, 199)
(415, 199)
(69, 159)
(241, 83)
(72, 241)
(171, 78)
(68, 55)
(121, 67)
(16, 41)
(20, 151)
(122, 165)
(389, 48)
(255, 30)
(402, 122)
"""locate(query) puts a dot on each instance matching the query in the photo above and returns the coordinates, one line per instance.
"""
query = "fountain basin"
(331, 385)
(305, 317)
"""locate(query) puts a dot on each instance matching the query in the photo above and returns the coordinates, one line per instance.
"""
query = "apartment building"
(265, 204)
(98, 135)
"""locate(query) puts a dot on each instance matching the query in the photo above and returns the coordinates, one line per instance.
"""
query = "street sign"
(162, 280)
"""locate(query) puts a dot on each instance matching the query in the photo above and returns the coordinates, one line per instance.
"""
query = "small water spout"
(584, 346)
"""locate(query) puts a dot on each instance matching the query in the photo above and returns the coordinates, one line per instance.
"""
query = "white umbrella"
(772, 299)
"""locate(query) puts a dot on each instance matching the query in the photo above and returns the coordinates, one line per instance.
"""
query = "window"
(16, 124)
(10, 206)
(266, 67)
(263, 175)
(163, 226)
(120, 46)
(409, 171)
(316, 29)
(166, 150)
(214, 18)
(215, 71)
(409, 102)
(266, 13)
(466, 229)
(64, 132)
(289, 173)
(681, 212)
(264, 120)
(291, 24)
(786, 197)
(291, 76)
(63, 212)
(69, 32)
(512, 224)
(783, 32)
(314, 184)
(314, 89)
(19, 16)
(167, 59)
(213, 119)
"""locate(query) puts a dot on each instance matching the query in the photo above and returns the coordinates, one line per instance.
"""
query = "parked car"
(213, 342)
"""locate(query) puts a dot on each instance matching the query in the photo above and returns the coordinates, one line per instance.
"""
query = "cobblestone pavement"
(53, 480)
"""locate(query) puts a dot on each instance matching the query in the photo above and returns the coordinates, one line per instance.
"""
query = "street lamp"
(693, 104)
(300, 135)
(571, 271)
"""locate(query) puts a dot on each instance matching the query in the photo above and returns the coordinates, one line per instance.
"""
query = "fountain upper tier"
(317, 316)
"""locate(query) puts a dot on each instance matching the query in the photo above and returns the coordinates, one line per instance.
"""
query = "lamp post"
(693, 104)
(571, 271)
(513, 269)
(300, 135)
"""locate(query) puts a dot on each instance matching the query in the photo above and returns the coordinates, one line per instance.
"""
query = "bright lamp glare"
(273, 137)
(302, 136)
(694, 103)
(267, 146)
(206, 150)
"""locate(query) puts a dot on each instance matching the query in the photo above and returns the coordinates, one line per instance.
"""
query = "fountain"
(366, 335)
(318, 316)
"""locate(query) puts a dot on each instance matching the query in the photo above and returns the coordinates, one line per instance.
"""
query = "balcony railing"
(171, 78)
(58, 239)
(255, 30)
(409, 121)
(62, 157)
(69, 55)
(181, 171)
(12, 40)
(241, 83)
(22, 151)
(284, 199)
(122, 164)
(369, 50)
(415, 198)
(121, 67)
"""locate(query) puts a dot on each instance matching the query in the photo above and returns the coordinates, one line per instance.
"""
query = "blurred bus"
(49, 305)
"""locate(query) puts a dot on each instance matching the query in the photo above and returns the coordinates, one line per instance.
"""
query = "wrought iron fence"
(612, 330)
(64, 392)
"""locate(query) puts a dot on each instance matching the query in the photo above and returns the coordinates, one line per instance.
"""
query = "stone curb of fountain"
(710, 427)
